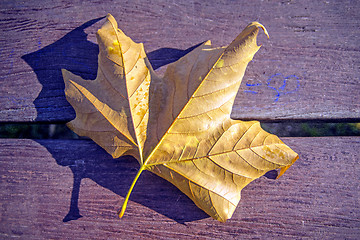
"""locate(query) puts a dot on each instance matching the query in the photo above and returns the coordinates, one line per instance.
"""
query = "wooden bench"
(308, 70)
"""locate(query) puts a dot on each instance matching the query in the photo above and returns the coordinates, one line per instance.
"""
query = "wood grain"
(309, 69)
(317, 198)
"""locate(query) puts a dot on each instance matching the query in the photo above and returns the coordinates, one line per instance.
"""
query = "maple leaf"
(177, 126)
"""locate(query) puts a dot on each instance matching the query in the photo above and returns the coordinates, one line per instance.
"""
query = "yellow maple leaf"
(177, 126)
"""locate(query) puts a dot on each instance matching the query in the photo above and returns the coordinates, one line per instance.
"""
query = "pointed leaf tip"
(283, 169)
(259, 25)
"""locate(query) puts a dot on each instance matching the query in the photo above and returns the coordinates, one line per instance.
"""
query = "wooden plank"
(317, 198)
(309, 69)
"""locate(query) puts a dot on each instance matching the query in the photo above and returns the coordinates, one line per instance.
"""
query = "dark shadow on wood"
(74, 212)
(271, 174)
(74, 53)
(88, 160)
(164, 56)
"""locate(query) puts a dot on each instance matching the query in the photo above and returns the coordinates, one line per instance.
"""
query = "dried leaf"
(177, 126)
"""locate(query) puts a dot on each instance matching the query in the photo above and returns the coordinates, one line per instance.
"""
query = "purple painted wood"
(309, 69)
(317, 198)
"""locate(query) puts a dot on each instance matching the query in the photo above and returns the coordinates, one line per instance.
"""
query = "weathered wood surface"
(309, 69)
(318, 197)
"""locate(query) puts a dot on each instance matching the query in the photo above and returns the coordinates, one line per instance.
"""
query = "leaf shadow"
(85, 159)
(88, 160)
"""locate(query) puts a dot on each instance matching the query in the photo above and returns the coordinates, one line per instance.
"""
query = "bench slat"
(317, 198)
(309, 69)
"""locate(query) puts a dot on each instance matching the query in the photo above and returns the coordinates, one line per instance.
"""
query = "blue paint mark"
(281, 90)
(249, 91)
(275, 80)
(277, 96)
(253, 85)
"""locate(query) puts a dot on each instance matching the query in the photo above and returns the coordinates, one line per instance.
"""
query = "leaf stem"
(123, 208)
